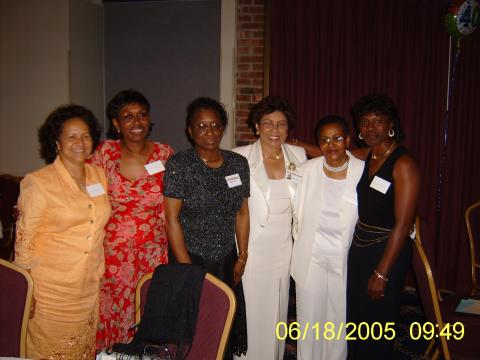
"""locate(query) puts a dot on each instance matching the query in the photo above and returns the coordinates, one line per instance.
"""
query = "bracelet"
(380, 275)
(241, 261)
(243, 252)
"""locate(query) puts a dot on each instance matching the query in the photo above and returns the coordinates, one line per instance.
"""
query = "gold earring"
(257, 132)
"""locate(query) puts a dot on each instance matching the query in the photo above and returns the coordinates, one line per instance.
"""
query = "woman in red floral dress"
(135, 241)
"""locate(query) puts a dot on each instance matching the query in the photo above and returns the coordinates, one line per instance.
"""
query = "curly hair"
(207, 104)
(122, 98)
(381, 105)
(331, 119)
(268, 105)
(50, 131)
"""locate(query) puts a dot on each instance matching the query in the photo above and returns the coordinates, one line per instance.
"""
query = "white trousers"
(266, 282)
(322, 300)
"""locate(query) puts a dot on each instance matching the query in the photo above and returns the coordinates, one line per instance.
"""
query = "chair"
(141, 293)
(16, 288)
(441, 312)
(472, 220)
(9, 191)
(215, 316)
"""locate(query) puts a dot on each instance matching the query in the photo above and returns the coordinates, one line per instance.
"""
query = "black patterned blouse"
(210, 205)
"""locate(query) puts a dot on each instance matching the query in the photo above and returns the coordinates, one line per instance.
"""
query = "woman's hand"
(311, 150)
(376, 287)
(176, 238)
(238, 270)
(33, 303)
(242, 230)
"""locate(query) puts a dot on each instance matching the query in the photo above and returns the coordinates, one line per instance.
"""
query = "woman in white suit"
(273, 180)
(325, 216)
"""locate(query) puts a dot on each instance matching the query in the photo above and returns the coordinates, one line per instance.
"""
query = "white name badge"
(154, 167)
(95, 190)
(380, 184)
(294, 178)
(104, 356)
(233, 180)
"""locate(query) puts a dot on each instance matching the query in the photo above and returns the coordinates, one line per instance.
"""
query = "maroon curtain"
(325, 55)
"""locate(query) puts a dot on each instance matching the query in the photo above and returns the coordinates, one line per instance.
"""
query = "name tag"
(95, 190)
(233, 180)
(380, 184)
(104, 356)
(154, 167)
(294, 178)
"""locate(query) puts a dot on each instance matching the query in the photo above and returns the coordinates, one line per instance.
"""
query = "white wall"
(35, 75)
(228, 38)
(51, 53)
(167, 50)
(86, 56)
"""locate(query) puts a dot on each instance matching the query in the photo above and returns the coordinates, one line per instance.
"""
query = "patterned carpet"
(405, 348)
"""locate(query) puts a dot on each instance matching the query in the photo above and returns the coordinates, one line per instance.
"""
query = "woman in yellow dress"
(63, 211)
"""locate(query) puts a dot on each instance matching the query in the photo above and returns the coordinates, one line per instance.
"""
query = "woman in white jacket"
(325, 216)
(273, 179)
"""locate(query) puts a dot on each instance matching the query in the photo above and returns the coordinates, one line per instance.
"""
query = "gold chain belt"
(374, 234)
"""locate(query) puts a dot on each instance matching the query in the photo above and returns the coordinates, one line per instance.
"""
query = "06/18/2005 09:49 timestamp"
(366, 331)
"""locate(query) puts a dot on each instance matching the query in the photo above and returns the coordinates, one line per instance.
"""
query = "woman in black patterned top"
(206, 191)
(380, 253)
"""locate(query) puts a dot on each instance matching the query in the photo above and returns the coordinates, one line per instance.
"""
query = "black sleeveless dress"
(376, 220)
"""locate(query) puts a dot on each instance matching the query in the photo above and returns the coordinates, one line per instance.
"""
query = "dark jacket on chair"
(171, 310)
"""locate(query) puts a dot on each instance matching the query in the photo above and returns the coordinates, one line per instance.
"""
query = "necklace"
(274, 157)
(80, 181)
(143, 153)
(206, 161)
(389, 150)
(334, 169)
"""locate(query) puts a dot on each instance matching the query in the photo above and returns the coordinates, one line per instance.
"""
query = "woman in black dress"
(206, 193)
(380, 253)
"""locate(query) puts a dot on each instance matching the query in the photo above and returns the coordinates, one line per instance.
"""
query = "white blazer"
(306, 217)
(259, 189)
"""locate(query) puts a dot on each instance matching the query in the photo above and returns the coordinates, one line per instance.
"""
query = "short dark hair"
(207, 104)
(122, 98)
(50, 131)
(331, 119)
(381, 105)
(268, 105)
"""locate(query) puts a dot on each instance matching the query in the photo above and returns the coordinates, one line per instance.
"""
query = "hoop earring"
(360, 136)
(391, 133)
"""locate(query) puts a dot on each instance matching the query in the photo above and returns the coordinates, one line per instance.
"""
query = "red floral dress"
(135, 241)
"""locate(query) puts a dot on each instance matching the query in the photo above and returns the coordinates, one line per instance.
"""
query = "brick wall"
(249, 64)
